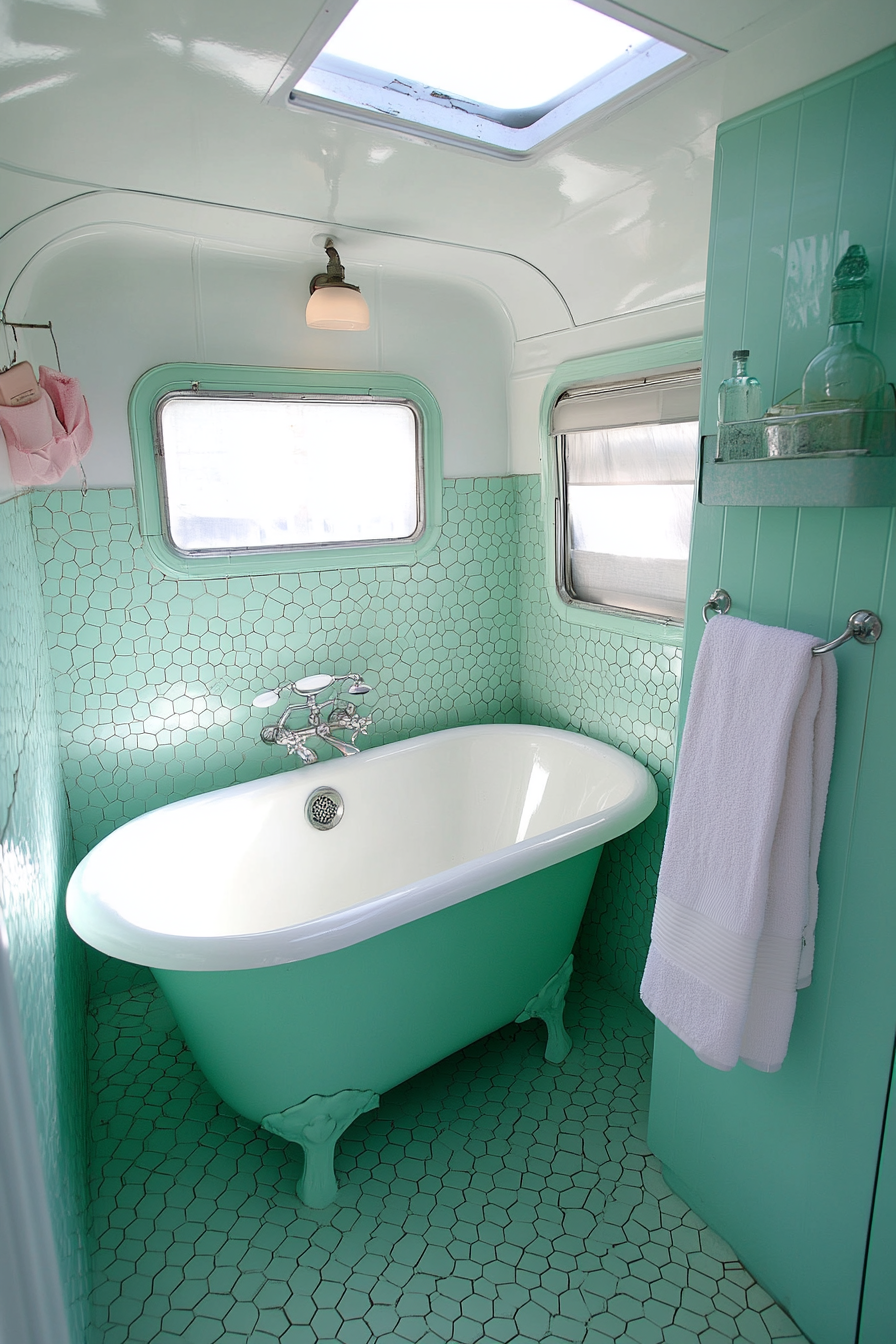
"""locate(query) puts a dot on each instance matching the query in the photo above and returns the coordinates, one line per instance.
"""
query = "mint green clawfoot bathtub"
(313, 963)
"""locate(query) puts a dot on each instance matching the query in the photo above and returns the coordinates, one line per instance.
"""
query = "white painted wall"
(124, 298)
(537, 358)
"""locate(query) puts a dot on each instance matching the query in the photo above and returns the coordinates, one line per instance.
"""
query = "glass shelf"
(809, 435)
(813, 480)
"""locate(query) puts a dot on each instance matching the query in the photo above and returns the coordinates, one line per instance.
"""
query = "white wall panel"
(536, 359)
(125, 298)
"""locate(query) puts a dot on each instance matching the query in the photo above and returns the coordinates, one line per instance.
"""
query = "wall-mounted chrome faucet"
(343, 716)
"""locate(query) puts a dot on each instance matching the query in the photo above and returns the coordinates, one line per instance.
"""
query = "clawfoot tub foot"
(548, 1004)
(316, 1124)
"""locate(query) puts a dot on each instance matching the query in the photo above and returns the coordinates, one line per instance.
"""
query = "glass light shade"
(337, 308)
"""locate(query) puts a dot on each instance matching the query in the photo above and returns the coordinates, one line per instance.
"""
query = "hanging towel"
(51, 434)
(732, 934)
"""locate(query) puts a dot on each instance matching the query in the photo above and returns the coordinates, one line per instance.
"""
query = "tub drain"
(324, 809)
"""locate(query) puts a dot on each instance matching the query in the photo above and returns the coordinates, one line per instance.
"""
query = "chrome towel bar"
(864, 626)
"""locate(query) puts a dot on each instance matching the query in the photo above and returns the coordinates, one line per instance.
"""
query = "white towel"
(732, 935)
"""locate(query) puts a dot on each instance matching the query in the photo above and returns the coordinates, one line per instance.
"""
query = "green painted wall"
(783, 1165)
(35, 852)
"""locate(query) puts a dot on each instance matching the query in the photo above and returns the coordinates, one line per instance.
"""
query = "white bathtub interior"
(245, 860)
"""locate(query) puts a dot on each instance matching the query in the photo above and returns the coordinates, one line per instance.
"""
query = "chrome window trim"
(562, 550)
(562, 567)
(302, 548)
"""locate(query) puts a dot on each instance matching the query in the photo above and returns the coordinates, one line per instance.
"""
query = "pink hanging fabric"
(51, 435)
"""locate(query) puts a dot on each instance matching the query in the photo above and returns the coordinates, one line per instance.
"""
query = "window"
(266, 470)
(626, 461)
(326, 471)
(501, 75)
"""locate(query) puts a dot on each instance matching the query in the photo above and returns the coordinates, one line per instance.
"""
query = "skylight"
(523, 52)
(505, 74)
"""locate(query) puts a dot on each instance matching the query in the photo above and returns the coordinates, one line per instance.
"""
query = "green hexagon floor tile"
(492, 1198)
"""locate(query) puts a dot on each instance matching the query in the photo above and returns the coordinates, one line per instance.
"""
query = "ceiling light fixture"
(335, 305)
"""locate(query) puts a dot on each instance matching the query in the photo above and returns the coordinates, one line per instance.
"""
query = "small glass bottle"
(740, 398)
(845, 376)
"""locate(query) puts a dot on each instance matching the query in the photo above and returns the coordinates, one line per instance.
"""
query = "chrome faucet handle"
(360, 725)
(296, 745)
(294, 742)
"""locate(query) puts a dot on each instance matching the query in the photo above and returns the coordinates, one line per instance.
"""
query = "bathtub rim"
(99, 924)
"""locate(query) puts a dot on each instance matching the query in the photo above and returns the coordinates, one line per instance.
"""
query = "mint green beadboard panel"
(622, 689)
(35, 859)
(784, 1165)
(877, 1300)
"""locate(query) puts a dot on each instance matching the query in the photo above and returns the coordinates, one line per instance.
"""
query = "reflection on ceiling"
(179, 98)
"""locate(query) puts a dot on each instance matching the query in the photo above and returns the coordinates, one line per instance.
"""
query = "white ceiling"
(168, 97)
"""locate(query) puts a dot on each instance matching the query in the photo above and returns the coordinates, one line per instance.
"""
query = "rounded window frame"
(157, 385)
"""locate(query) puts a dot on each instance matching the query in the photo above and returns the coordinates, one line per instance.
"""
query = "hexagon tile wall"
(35, 856)
(492, 1198)
(155, 676)
(623, 690)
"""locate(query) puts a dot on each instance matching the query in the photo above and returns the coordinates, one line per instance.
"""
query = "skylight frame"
(359, 94)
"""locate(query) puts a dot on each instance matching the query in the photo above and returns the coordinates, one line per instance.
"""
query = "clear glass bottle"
(740, 398)
(845, 375)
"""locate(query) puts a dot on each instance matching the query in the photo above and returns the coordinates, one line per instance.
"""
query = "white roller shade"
(627, 455)
(632, 455)
(671, 397)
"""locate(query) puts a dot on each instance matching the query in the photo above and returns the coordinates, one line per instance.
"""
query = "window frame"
(650, 361)
(159, 385)
(463, 126)
(510, 133)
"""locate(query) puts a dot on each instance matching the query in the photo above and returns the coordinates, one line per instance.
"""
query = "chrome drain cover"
(324, 809)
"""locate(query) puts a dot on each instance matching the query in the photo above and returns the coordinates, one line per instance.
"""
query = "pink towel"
(51, 435)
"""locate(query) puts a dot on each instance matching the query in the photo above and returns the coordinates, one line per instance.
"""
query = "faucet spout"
(344, 748)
